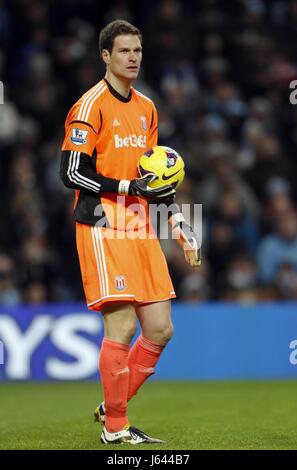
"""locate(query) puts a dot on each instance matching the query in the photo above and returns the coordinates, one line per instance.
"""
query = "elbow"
(66, 181)
(64, 172)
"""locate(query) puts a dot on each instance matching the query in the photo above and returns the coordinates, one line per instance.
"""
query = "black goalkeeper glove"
(187, 238)
(139, 187)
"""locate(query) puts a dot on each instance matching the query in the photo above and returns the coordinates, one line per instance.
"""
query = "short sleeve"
(81, 129)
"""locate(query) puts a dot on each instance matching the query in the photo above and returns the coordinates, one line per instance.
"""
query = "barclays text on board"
(212, 341)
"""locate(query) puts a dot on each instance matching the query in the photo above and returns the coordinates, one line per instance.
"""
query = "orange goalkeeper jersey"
(114, 132)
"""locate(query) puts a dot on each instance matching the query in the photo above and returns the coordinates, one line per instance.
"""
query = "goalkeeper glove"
(139, 187)
(187, 238)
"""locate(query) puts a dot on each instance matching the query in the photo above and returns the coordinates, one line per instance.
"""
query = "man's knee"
(161, 334)
(120, 323)
(127, 329)
(168, 333)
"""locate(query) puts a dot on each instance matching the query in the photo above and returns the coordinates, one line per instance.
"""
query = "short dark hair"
(114, 29)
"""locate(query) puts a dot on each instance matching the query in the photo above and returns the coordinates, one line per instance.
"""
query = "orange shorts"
(113, 270)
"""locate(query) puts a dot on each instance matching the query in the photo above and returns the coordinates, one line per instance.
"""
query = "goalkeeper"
(125, 275)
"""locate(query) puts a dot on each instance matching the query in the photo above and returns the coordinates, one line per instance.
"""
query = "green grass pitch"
(191, 415)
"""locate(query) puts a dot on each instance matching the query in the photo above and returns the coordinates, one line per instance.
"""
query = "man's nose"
(132, 57)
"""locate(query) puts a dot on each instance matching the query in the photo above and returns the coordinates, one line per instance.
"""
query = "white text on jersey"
(131, 141)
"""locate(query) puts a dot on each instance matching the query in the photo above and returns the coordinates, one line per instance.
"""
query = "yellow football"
(165, 163)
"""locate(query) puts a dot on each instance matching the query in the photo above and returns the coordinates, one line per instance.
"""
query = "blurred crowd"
(219, 73)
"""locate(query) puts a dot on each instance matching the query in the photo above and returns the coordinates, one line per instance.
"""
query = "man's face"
(125, 59)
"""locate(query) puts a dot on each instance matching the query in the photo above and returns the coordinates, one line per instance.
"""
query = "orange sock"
(113, 366)
(141, 361)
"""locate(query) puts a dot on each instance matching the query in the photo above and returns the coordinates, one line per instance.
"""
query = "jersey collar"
(117, 94)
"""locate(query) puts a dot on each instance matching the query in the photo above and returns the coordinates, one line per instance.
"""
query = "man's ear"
(105, 56)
